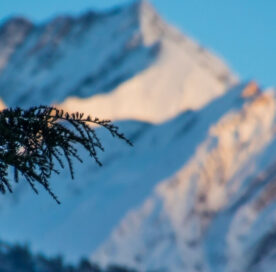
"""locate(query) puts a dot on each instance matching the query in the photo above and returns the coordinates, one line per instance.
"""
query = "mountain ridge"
(113, 82)
(187, 221)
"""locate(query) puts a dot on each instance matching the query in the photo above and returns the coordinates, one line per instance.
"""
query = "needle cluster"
(34, 141)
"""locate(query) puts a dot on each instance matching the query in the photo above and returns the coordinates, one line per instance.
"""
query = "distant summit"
(124, 63)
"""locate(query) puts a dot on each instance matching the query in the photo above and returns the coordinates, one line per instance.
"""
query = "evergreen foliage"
(33, 141)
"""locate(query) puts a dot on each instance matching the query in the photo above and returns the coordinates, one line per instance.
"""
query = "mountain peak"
(144, 4)
(126, 52)
(150, 23)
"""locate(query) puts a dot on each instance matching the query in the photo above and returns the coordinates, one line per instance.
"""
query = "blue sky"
(243, 32)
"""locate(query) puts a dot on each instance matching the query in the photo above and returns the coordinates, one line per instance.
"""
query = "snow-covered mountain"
(126, 63)
(218, 211)
(197, 190)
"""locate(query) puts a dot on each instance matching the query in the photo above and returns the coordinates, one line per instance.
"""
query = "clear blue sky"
(243, 32)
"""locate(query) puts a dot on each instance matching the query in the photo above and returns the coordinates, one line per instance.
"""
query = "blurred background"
(192, 85)
(241, 33)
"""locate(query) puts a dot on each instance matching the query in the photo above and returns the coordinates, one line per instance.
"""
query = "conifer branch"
(32, 141)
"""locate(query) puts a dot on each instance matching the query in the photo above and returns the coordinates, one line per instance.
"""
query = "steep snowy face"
(218, 212)
(183, 76)
(126, 63)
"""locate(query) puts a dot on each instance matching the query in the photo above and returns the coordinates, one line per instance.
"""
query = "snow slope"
(218, 211)
(125, 63)
(95, 203)
(217, 168)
